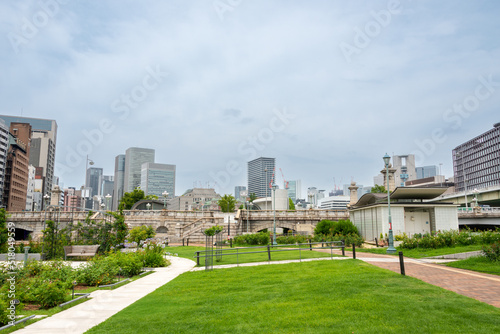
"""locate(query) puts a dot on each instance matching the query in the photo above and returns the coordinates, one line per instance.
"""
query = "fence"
(269, 249)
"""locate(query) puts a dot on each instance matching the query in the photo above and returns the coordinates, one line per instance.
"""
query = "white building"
(30, 193)
(334, 203)
(409, 212)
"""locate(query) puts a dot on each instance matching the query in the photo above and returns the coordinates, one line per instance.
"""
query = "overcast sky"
(325, 87)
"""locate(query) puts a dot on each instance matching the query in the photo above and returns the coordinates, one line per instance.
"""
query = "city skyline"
(326, 88)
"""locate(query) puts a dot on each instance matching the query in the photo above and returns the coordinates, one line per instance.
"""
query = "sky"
(326, 87)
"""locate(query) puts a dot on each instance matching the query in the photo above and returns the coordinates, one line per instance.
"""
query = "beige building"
(195, 199)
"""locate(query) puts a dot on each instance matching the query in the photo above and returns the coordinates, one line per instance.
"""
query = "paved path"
(105, 303)
(483, 287)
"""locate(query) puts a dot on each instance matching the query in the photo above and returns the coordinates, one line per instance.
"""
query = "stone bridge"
(178, 225)
(484, 217)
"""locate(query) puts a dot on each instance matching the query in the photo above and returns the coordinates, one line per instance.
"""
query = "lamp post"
(462, 157)
(46, 199)
(165, 195)
(390, 249)
(274, 210)
(108, 198)
(267, 185)
(148, 206)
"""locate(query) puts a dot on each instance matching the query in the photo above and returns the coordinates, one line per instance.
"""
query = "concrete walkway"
(105, 303)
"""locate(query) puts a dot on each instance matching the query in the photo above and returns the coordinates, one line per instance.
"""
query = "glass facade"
(260, 175)
(157, 178)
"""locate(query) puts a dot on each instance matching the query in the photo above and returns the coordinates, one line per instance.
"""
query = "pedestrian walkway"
(105, 303)
(483, 287)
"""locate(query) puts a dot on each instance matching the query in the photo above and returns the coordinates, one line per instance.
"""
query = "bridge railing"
(480, 210)
(297, 214)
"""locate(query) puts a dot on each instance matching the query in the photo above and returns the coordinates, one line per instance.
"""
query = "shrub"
(140, 233)
(50, 293)
(261, 238)
(323, 227)
(292, 239)
(343, 227)
(492, 252)
(213, 230)
(129, 264)
(98, 271)
(152, 254)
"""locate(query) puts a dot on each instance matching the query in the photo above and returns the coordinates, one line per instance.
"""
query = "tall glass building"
(134, 158)
(158, 178)
(119, 180)
(477, 161)
(260, 175)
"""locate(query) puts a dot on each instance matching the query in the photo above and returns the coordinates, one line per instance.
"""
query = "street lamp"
(46, 199)
(462, 157)
(390, 249)
(108, 198)
(165, 195)
(274, 209)
(267, 186)
(148, 206)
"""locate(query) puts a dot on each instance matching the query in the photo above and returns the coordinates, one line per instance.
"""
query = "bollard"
(187, 242)
(182, 242)
(322, 240)
(343, 247)
(269, 252)
(402, 263)
(26, 250)
(376, 242)
(198, 258)
(354, 251)
(310, 246)
(231, 243)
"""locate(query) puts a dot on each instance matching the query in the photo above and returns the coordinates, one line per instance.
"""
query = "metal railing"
(479, 210)
(269, 249)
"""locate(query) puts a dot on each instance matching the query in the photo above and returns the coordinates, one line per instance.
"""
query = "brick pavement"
(483, 287)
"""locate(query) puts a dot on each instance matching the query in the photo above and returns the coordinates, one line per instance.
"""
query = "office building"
(426, 171)
(334, 203)
(30, 191)
(72, 200)
(294, 190)
(478, 160)
(195, 199)
(42, 147)
(4, 147)
(259, 175)
(238, 193)
(158, 178)
(379, 180)
(107, 185)
(134, 158)
(119, 180)
(93, 180)
(17, 169)
(405, 169)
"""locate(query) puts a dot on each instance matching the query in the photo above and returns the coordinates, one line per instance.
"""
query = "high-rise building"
(93, 180)
(237, 193)
(4, 147)
(294, 190)
(119, 180)
(17, 169)
(426, 171)
(260, 175)
(42, 147)
(405, 169)
(158, 178)
(30, 192)
(134, 158)
(478, 160)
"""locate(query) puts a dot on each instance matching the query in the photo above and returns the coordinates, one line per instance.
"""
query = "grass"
(478, 263)
(188, 252)
(418, 253)
(347, 296)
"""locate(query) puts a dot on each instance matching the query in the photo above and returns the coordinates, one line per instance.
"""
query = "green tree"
(253, 197)
(227, 203)
(323, 227)
(129, 199)
(378, 189)
(291, 205)
(3, 231)
(140, 233)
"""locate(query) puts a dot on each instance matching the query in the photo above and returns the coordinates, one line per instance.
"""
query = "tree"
(3, 231)
(140, 233)
(378, 189)
(323, 227)
(227, 203)
(129, 199)
(253, 197)
(291, 205)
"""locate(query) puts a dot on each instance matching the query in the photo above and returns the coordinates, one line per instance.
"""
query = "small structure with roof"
(411, 212)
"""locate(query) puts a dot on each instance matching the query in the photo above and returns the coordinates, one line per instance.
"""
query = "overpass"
(178, 225)
(485, 196)
(479, 217)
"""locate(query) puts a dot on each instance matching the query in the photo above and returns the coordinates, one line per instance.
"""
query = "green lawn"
(477, 263)
(419, 253)
(188, 252)
(346, 296)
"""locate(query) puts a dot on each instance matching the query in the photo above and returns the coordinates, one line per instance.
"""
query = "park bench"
(80, 250)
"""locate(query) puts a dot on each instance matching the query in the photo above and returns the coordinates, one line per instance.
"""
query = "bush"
(141, 233)
(129, 264)
(492, 252)
(152, 254)
(343, 227)
(98, 271)
(323, 227)
(292, 239)
(261, 238)
(450, 238)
